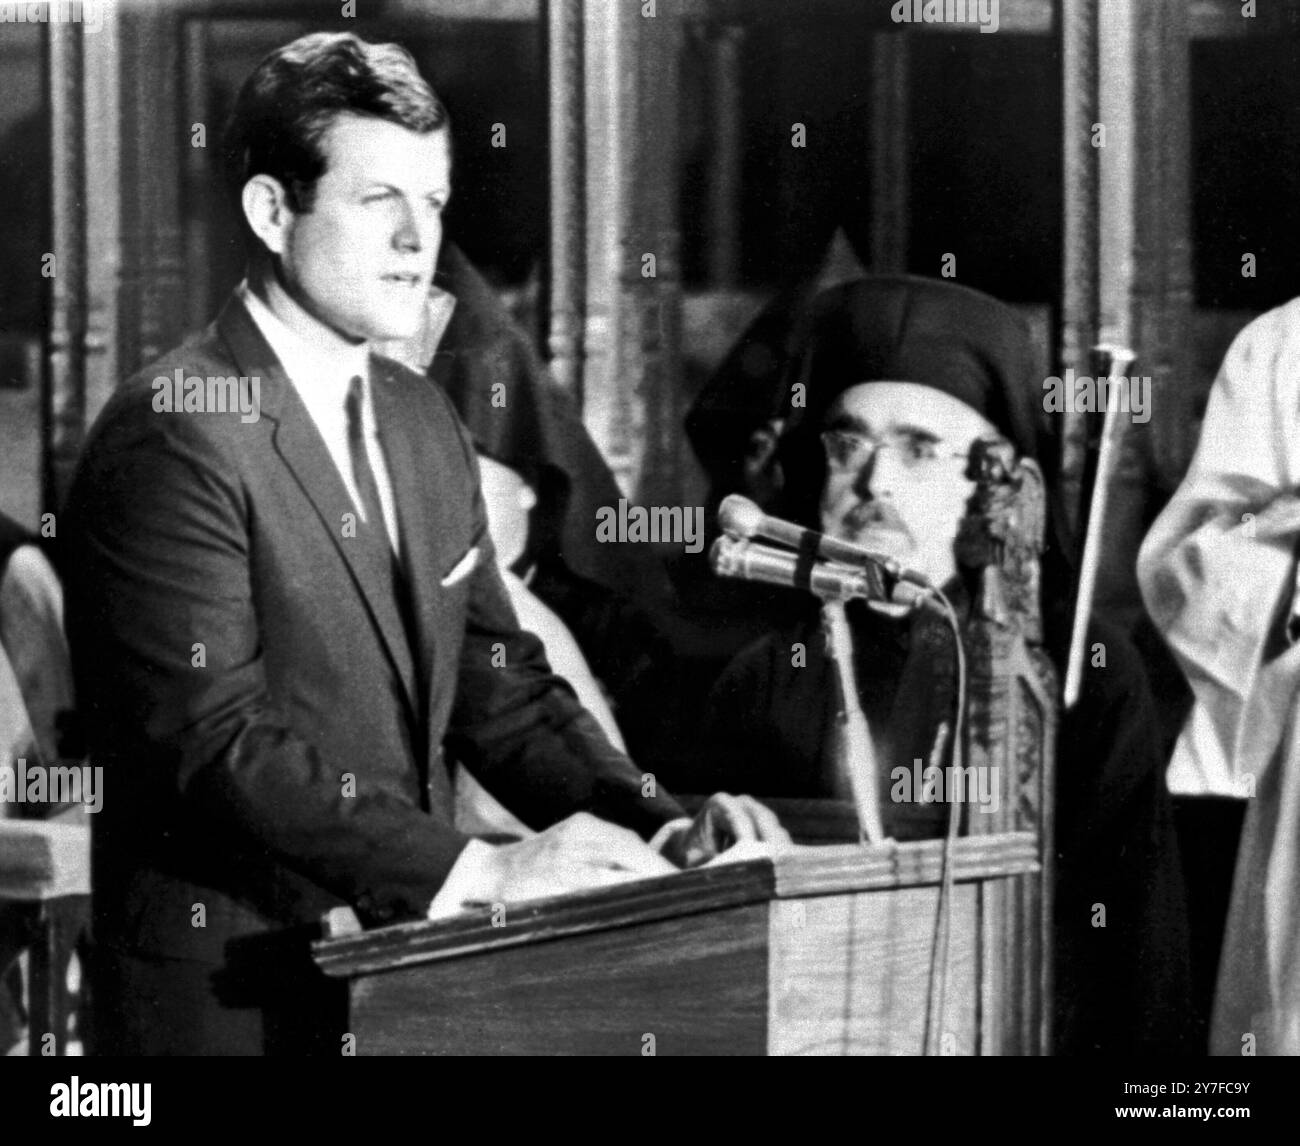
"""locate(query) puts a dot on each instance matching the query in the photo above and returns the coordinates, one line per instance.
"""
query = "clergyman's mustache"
(876, 515)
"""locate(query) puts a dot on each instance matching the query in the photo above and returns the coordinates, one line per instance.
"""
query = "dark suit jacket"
(227, 767)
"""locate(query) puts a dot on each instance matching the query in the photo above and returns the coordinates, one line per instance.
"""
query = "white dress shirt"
(322, 379)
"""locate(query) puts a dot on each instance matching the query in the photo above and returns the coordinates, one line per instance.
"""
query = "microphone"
(741, 518)
(829, 580)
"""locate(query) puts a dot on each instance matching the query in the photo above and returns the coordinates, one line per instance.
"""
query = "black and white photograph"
(651, 528)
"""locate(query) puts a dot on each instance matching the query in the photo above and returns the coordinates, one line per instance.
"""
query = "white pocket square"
(463, 568)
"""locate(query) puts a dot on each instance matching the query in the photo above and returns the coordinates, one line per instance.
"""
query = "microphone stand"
(853, 747)
(838, 583)
(833, 584)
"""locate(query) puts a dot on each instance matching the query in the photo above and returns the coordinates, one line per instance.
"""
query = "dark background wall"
(985, 171)
(985, 168)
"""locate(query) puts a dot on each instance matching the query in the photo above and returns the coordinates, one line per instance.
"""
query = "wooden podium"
(826, 950)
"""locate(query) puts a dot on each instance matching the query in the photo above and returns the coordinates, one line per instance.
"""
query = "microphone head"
(740, 517)
(724, 556)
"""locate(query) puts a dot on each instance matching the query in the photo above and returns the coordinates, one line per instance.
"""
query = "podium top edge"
(806, 871)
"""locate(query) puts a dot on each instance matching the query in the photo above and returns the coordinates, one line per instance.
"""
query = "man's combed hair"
(286, 106)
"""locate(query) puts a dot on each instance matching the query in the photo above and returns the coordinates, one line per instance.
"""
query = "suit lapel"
(298, 442)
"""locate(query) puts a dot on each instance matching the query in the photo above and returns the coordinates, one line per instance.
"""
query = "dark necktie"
(362, 474)
(368, 491)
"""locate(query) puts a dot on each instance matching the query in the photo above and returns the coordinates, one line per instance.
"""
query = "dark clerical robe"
(1122, 987)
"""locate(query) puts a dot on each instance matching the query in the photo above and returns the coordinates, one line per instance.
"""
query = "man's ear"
(266, 207)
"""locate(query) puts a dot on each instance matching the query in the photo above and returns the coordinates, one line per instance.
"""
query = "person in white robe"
(36, 701)
(1218, 572)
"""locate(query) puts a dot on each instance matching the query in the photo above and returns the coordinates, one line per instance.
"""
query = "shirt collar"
(321, 377)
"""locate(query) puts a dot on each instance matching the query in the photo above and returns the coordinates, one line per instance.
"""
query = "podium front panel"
(850, 974)
(826, 950)
(694, 985)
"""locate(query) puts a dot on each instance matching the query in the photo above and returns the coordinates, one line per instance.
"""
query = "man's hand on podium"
(584, 852)
(722, 822)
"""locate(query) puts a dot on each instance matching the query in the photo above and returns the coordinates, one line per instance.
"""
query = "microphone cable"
(939, 955)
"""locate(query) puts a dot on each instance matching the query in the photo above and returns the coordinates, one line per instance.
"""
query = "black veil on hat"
(904, 328)
(745, 392)
(537, 431)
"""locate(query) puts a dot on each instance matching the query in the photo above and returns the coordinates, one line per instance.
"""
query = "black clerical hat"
(808, 347)
(904, 328)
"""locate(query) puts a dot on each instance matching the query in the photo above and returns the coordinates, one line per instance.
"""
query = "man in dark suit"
(282, 603)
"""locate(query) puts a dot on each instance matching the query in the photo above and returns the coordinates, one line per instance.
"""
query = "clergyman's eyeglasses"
(848, 451)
